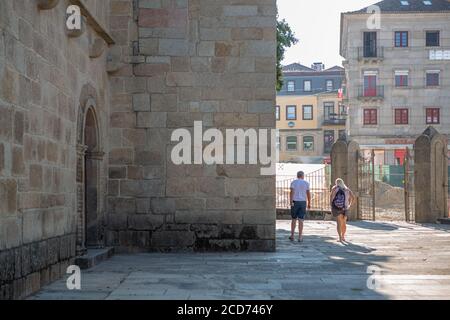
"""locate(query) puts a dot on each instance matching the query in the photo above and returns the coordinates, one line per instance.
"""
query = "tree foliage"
(285, 39)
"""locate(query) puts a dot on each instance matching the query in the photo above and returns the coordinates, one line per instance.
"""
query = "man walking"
(300, 198)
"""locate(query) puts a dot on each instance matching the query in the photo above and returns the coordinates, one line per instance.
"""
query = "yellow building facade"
(309, 123)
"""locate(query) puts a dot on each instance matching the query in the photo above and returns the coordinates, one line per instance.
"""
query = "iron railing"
(386, 192)
(448, 188)
(370, 52)
(319, 186)
(335, 120)
(372, 92)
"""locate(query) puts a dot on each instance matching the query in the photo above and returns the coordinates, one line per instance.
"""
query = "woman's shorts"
(337, 212)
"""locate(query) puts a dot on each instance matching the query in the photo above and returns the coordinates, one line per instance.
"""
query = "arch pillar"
(81, 236)
(431, 176)
(89, 157)
(344, 165)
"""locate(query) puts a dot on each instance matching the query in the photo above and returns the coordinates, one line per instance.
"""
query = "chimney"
(318, 66)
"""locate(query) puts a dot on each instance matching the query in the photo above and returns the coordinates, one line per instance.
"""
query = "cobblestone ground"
(414, 260)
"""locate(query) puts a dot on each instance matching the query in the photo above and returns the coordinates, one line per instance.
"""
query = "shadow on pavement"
(310, 240)
(335, 270)
(440, 227)
(379, 226)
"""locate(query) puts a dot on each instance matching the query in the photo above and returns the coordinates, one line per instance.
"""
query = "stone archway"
(89, 157)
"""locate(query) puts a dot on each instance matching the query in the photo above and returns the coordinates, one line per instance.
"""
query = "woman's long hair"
(341, 184)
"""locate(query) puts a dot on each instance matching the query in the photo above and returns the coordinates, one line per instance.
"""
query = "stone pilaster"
(431, 176)
(344, 165)
(81, 235)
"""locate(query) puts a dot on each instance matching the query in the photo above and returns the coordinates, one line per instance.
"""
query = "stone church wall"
(199, 60)
(45, 76)
(86, 122)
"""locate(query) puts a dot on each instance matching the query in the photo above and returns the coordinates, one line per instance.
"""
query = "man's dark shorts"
(298, 210)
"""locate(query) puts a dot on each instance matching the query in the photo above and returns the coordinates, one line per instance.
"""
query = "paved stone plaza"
(415, 260)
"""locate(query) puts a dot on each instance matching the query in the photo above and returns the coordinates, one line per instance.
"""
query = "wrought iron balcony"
(439, 54)
(335, 119)
(372, 93)
(370, 53)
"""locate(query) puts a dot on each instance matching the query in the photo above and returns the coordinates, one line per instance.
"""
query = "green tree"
(285, 39)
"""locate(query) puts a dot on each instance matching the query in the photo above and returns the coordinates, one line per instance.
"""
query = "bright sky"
(317, 26)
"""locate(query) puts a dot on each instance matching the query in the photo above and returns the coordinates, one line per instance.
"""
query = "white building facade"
(398, 74)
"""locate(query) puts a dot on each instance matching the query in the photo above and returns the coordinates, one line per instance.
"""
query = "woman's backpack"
(339, 199)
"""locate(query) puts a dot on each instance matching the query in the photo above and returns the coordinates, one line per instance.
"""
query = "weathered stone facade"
(344, 159)
(85, 127)
(431, 176)
(43, 73)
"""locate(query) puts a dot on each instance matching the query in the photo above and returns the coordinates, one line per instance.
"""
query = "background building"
(310, 114)
(398, 76)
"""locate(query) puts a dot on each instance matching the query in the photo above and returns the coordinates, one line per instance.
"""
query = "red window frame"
(401, 116)
(433, 115)
(402, 81)
(403, 39)
(370, 86)
(370, 116)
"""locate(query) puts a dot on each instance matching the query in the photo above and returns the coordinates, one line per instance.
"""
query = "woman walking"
(341, 200)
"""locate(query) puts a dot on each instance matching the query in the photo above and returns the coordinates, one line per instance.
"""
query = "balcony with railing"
(335, 119)
(370, 53)
(438, 54)
(371, 93)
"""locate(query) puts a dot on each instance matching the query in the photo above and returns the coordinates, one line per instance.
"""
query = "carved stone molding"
(81, 152)
(96, 48)
(92, 21)
(113, 62)
(98, 155)
(87, 103)
(81, 247)
(47, 4)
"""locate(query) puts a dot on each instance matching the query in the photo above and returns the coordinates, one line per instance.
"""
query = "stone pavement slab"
(414, 261)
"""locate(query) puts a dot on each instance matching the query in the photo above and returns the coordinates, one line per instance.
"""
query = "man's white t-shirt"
(300, 187)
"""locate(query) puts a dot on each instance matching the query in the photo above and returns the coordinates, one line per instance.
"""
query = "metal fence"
(370, 52)
(366, 187)
(410, 193)
(386, 192)
(371, 92)
(320, 182)
(448, 188)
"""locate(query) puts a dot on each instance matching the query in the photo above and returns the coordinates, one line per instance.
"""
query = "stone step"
(444, 221)
(94, 257)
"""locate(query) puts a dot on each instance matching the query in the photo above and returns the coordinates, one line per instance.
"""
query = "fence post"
(430, 176)
(406, 168)
(344, 164)
(373, 186)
